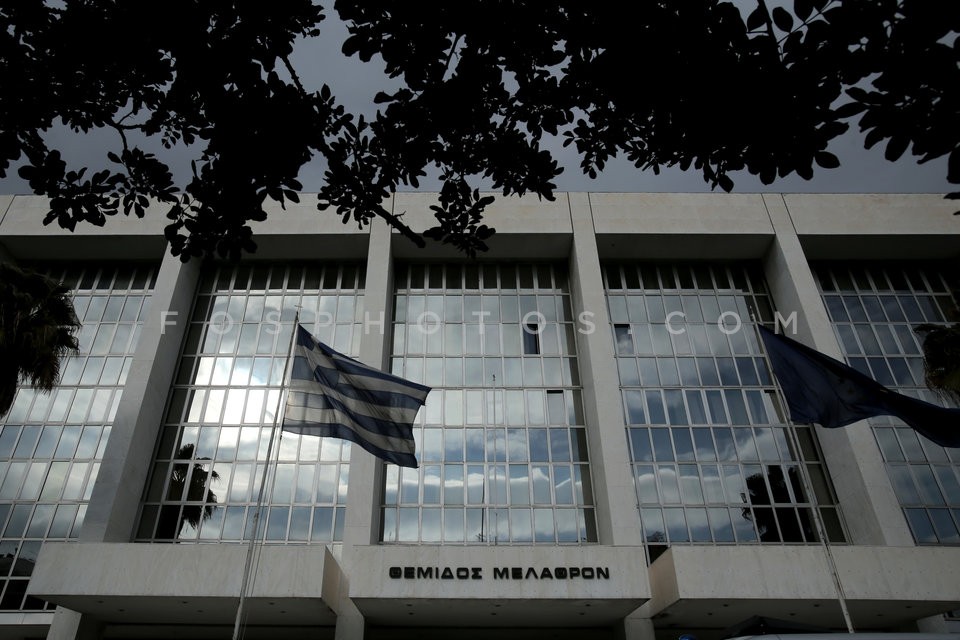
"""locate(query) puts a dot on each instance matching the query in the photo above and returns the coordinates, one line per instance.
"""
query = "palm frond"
(37, 331)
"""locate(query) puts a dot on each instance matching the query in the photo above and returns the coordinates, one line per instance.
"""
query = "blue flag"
(822, 390)
(335, 396)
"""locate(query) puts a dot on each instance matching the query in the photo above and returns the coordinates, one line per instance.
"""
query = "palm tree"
(169, 528)
(37, 329)
(941, 358)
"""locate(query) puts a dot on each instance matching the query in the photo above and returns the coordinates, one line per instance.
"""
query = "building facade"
(604, 453)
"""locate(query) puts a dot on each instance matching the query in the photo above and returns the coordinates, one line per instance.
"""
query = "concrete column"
(618, 521)
(350, 623)
(362, 526)
(70, 625)
(5, 203)
(933, 624)
(867, 501)
(635, 628)
(114, 503)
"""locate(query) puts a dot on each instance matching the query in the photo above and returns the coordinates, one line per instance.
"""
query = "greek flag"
(335, 396)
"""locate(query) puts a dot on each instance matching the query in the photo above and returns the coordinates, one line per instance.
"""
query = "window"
(225, 402)
(51, 444)
(711, 456)
(874, 310)
(501, 440)
(531, 339)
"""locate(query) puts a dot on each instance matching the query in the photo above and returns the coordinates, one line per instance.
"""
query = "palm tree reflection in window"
(188, 483)
(764, 512)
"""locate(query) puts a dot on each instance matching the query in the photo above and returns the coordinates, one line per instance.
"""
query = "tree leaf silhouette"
(476, 88)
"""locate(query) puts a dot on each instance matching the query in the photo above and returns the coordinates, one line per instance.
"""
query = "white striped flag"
(335, 396)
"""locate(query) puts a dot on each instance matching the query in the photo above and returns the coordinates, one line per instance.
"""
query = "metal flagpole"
(808, 487)
(484, 516)
(496, 466)
(277, 419)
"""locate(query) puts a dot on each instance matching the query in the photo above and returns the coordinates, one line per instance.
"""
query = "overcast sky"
(354, 83)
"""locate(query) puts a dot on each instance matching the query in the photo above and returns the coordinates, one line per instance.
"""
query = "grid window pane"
(876, 331)
(699, 391)
(51, 444)
(226, 399)
(503, 426)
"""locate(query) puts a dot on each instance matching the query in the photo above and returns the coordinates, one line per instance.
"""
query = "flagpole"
(496, 466)
(808, 487)
(277, 418)
(484, 511)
